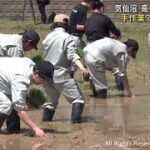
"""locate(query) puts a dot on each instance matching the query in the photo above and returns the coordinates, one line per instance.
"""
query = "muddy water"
(116, 123)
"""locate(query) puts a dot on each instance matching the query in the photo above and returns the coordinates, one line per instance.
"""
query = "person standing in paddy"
(60, 50)
(77, 20)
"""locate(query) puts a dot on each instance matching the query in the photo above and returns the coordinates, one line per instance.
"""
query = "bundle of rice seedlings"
(37, 58)
(36, 98)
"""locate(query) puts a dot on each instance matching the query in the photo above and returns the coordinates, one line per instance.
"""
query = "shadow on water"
(115, 123)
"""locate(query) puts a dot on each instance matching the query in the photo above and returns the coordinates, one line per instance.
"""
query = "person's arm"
(80, 27)
(14, 51)
(19, 86)
(81, 67)
(122, 72)
(115, 32)
(73, 56)
(82, 16)
(126, 86)
(27, 120)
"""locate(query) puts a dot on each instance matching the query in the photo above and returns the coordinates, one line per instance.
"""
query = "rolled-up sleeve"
(19, 88)
(15, 52)
(71, 50)
(122, 62)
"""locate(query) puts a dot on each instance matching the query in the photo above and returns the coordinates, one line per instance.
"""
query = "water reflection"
(108, 115)
(115, 118)
(10, 144)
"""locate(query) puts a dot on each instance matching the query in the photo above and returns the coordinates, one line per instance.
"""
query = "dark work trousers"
(42, 12)
(13, 122)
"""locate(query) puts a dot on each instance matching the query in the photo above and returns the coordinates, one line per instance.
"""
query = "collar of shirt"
(59, 29)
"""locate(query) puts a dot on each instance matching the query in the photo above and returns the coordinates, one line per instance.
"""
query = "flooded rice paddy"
(117, 123)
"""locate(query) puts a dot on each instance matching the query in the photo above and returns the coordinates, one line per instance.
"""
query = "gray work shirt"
(15, 78)
(11, 45)
(111, 53)
(60, 50)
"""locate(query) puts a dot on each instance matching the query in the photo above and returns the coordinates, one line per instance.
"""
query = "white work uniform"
(11, 45)
(105, 54)
(60, 50)
(15, 76)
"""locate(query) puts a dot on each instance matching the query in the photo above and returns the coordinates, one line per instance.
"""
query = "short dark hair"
(45, 68)
(134, 44)
(61, 25)
(118, 33)
(96, 4)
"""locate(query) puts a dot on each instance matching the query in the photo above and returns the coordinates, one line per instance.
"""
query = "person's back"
(106, 50)
(15, 45)
(8, 41)
(12, 71)
(14, 65)
(55, 46)
(98, 25)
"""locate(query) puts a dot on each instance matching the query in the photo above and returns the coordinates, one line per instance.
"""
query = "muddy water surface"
(116, 123)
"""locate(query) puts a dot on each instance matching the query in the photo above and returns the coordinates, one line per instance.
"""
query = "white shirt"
(11, 45)
(15, 78)
(112, 53)
(60, 50)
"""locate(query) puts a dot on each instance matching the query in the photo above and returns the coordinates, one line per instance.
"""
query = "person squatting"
(16, 74)
(15, 45)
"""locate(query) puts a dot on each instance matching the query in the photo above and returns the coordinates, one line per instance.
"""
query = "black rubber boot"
(102, 93)
(77, 109)
(47, 115)
(2, 119)
(93, 88)
(119, 83)
(13, 124)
